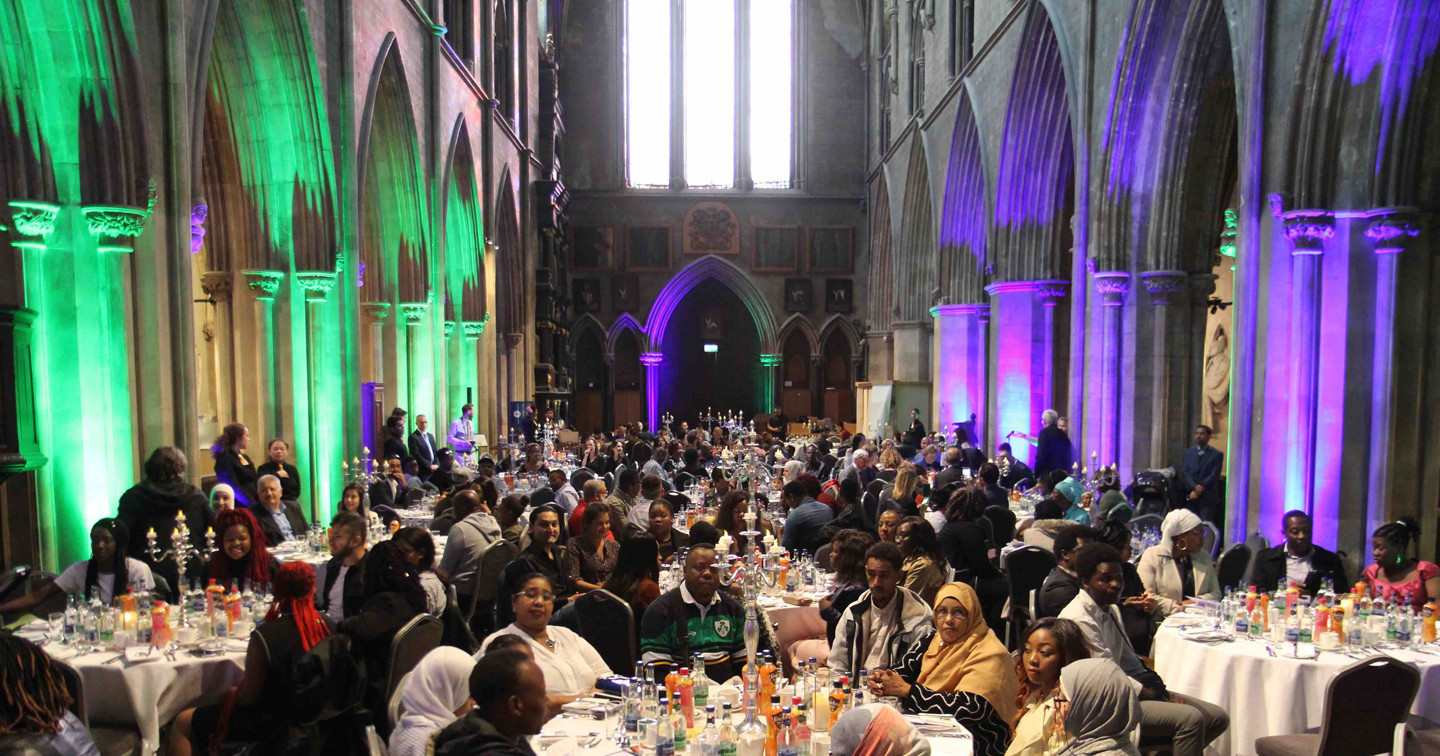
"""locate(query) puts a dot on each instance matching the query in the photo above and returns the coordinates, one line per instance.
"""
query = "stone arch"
(625, 323)
(510, 290)
(587, 323)
(841, 323)
(464, 230)
(915, 285)
(882, 283)
(963, 213)
(798, 322)
(394, 239)
(1034, 189)
(722, 270)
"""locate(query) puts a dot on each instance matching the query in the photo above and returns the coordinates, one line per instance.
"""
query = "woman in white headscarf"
(876, 730)
(1101, 709)
(434, 694)
(222, 497)
(1177, 569)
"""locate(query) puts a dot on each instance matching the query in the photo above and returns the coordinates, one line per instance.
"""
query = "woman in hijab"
(876, 730)
(222, 497)
(962, 670)
(1074, 494)
(434, 694)
(1103, 709)
(1177, 569)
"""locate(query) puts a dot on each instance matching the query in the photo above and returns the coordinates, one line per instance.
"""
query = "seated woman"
(1104, 709)
(1074, 500)
(352, 499)
(571, 665)
(434, 694)
(966, 545)
(730, 520)
(222, 497)
(876, 730)
(1047, 646)
(418, 548)
(962, 670)
(662, 528)
(902, 495)
(637, 571)
(35, 714)
(590, 554)
(1396, 574)
(243, 552)
(393, 597)
(262, 701)
(1177, 569)
(108, 571)
(847, 558)
(925, 567)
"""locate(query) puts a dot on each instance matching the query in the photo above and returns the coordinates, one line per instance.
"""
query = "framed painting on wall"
(832, 250)
(587, 295)
(648, 249)
(777, 250)
(798, 294)
(625, 293)
(592, 248)
(711, 229)
(839, 295)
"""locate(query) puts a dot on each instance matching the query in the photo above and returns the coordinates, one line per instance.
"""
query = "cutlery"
(1270, 651)
(114, 659)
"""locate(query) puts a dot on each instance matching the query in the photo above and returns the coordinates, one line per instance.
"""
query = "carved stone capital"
(1391, 232)
(378, 311)
(768, 360)
(1202, 285)
(412, 312)
(317, 284)
(33, 218)
(512, 340)
(1164, 286)
(473, 328)
(115, 222)
(216, 285)
(1112, 286)
(263, 282)
(1308, 230)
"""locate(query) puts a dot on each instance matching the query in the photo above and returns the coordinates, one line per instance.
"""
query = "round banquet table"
(148, 695)
(1267, 695)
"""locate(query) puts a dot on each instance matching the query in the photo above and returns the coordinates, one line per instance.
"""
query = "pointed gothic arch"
(798, 322)
(510, 290)
(882, 282)
(587, 323)
(963, 225)
(724, 271)
(622, 324)
(915, 284)
(463, 244)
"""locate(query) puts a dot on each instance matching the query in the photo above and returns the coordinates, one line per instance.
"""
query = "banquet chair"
(679, 502)
(487, 584)
(1257, 543)
(111, 741)
(578, 478)
(14, 579)
(1233, 567)
(418, 637)
(1025, 570)
(374, 744)
(541, 495)
(600, 614)
(1410, 742)
(822, 557)
(610, 482)
(683, 481)
(1386, 685)
(1211, 542)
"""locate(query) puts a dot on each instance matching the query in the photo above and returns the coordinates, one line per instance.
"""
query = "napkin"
(140, 654)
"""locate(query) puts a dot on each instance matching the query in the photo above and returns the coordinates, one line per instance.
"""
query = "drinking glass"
(57, 626)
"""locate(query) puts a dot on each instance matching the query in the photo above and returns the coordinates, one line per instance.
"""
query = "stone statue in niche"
(710, 228)
(1216, 401)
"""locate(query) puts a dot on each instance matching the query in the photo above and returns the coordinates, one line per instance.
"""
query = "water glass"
(57, 626)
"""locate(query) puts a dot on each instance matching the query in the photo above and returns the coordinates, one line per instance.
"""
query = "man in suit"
(1297, 560)
(1200, 476)
(279, 520)
(1012, 470)
(395, 438)
(422, 447)
(953, 472)
(391, 488)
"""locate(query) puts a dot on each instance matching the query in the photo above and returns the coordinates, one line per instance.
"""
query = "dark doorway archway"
(727, 378)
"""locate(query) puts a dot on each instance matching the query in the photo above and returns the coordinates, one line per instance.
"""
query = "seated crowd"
(918, 595)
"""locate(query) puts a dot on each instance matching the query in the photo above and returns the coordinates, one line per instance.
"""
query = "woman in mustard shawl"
(962, 670)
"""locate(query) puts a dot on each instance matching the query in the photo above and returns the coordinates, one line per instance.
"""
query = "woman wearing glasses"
(571, 665)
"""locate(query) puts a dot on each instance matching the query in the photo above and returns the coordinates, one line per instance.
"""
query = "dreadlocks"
(295, 596)
(33, 697)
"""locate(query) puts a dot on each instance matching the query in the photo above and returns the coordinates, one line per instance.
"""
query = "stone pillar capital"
(449, 328)
(377, 311)
(768, 360)
(1308, 230)
(655, 358)
(216, 285)
(816, 360)
(1202, 285)
(1112, 286)
(512, 340)
(316, 283)
(473, 328)
(412, 312)
(960, 310)
(1392, 229)
(263, 282)
(33, 218)
(1165, 286)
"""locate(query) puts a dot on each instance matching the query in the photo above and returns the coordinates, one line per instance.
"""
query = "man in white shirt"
(1189, 723)
(651, 488)
(656, 465)
(344, 588)
(422, 447)
(565, 494)
(877, 628)
(462, 431)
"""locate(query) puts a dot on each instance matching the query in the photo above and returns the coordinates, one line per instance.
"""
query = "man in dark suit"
(280, 521)
(995, 496)
(1297, 560)
(953, 472)
(1062, 584)
(395, 438)
(391, 488)
(1014, 470)
(422, 447)
(1200, 476)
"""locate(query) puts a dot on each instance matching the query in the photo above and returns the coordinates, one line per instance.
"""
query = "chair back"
(1146, 521)
(875, 486)
(13, 580)
(1026, 569)
(374, 744)
(1388, 687)
(418, 637)
(601, 613)
(683, 480)
(541, 495)
(414, 497)
(487, 575)
(679, 502)
(1211, 539)
(580, 476)
(75, 686)
(610, 482)
(822, 557)
(1234, 565)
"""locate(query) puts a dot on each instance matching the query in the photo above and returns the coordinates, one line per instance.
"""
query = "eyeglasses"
(537, 595)
(958, 613)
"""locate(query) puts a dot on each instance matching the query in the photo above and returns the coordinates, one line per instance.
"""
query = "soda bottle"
(837, 700)
(672, 682)
(1427, 622)
(232, 602)
(767, 677)
(773, 724)
(687, 696)
(214, 599)
(160, 624)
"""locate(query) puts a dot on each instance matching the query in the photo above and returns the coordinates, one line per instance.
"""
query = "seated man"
(279, 520)
(1188, 723)
(1297, 560)
(696, 618)
(474, 531)
(344, 589)
(656, 465)
(565, 494)
(622, 500)
(651, 488)
(806, 518)
(1061, 584)
(879, 626)
(508, 689)
(389, 491)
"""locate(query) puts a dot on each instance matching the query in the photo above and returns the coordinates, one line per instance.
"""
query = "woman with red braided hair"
(263, 698)
(243, 552)
(35, 705)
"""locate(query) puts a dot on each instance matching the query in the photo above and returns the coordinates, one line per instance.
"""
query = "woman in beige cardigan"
(1177, 569)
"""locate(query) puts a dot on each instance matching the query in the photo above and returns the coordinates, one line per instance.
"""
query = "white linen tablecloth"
(148, 695)
(1266, 695)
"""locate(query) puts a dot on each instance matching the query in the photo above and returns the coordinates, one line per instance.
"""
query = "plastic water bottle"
(72, 617)
(707, 743)
(785, 736)
(632, 705)
(664, 731)
(729, 736)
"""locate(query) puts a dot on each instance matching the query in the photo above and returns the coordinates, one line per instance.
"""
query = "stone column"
(317, 286)
(912, 352)
(607, 387)
(264, 283)
(1025, 338)
(817, 385)
(470, 358)
(652, 362)
(216, 285)
(1111, 289)
(456, 375)
(378, 313)
(514, 375)
(1390, 233)
(1170, 407)
(412, 313)
(770, 374)
(1307, 231)
(960, 360)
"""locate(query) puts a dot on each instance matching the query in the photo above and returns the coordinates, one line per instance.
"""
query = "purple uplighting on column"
(959, 364)
(1024, 349)
(652, 361)
(1112, 286)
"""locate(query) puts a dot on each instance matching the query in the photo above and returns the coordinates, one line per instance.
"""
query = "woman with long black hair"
(108, 572)
(393, 596)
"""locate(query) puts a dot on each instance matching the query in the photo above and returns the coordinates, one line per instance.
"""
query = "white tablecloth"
(1266, 695)
(149, 695)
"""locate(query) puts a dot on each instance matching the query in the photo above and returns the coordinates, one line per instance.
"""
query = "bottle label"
(725, 749)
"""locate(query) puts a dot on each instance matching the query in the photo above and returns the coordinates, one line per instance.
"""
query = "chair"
(1410, 742)
(1211, 542)
(822, 557)
(418, 637)
(678, 502)
(683, 481)
(1257, 543)
(374, 745)
(609, 481)
(1234, 566)
(1386, 685)
(601, 613)
(487, 581)
(414, 498)
(162, 590)
(580, 476)
(111, 741)
(1146, 521)
(541, 495)
(1025, 570)
(505, 584)
(14, 579)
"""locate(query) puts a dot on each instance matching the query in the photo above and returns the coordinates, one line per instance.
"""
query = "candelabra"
(709, 419)
(756, 571)
(181, 550)
(667, 419)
